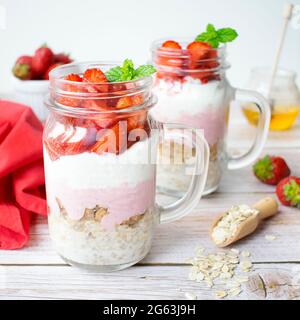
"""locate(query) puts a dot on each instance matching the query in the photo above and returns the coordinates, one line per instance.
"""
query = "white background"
(114, 30)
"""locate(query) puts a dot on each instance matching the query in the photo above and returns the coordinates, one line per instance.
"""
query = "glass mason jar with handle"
(100, 151)
(195, 91)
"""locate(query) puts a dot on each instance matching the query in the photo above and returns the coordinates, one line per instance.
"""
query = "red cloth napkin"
(21, 173)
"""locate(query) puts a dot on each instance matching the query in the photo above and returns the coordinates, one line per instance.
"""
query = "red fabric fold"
(22, 190)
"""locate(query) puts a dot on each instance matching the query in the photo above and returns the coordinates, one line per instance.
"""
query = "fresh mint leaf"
(145, 70)
(214, 42)
(114, 74)
(210, 28)
(227, 35)
(127, 72)
(215, 37)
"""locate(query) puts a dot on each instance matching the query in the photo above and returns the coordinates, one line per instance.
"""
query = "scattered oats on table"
(221, 268)
(270, 237)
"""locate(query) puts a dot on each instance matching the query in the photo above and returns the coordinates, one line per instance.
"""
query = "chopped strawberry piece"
(169, 54)
(137, 100)
(136, 121)
(94, 76)
(62, 58)
(73, 77)
(95, 104)
(171, 45)
(67, 101)
(112, 140)
(198, 51)
(124, 102)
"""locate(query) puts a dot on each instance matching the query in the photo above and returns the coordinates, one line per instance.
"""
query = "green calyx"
(214, 37)
(292, 193)
(127, 72)
(263, 168)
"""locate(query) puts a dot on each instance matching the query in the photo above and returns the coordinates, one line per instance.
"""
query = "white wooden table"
(37, 272)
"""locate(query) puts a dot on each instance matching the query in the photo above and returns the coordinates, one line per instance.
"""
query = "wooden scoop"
(267, 207)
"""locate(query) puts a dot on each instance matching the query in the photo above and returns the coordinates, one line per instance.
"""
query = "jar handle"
(183, 206)
(262, 128)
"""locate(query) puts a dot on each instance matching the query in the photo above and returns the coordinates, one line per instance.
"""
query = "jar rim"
(156, 44)
(79, 111)
(184, 54)
(86, 65)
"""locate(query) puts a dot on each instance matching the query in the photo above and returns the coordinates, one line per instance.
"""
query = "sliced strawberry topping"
(171, 45)
(199, 50)
(94, 76)
(73, 77)
(169, 54)
(124, 102)
(112, 140)
(67, 101)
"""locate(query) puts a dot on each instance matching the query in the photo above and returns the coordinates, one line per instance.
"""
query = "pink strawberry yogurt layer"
(211, 122)
(122, 202)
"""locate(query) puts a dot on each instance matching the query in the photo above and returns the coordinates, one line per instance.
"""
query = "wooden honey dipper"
(266, 208)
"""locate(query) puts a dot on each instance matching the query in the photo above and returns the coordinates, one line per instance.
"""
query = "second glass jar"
(195, 92)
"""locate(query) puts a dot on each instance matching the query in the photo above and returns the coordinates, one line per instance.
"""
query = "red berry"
(169, 55)
(70, 101)
(52, 66)
(73, 77)
(288, 191)
(199, 50)
(94, 75)
(62, 58)
(171, 45)
(271, 170)
(42, 59)
(23, 68)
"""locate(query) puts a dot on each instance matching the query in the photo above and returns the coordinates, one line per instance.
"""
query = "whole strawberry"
(62, 58)
(42, 59)
(23, 68)
(271, 170)
(288, 191)
(52, 66)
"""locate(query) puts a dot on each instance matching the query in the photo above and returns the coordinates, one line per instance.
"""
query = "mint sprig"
(127, 72)
(214, 37)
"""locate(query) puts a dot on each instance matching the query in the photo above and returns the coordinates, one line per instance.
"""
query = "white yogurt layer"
(90, 170)
(190, 97)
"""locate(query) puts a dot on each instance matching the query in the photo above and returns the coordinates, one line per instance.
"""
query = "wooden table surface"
(37, 272)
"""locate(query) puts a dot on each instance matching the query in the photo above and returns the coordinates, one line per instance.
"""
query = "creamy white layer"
(89, 170)
(190, 97)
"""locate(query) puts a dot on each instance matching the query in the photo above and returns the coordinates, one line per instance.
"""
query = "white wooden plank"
(267, 281)
(175, 242)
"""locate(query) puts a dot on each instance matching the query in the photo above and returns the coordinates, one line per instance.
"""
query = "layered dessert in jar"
(100, 173)
(192, 89)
